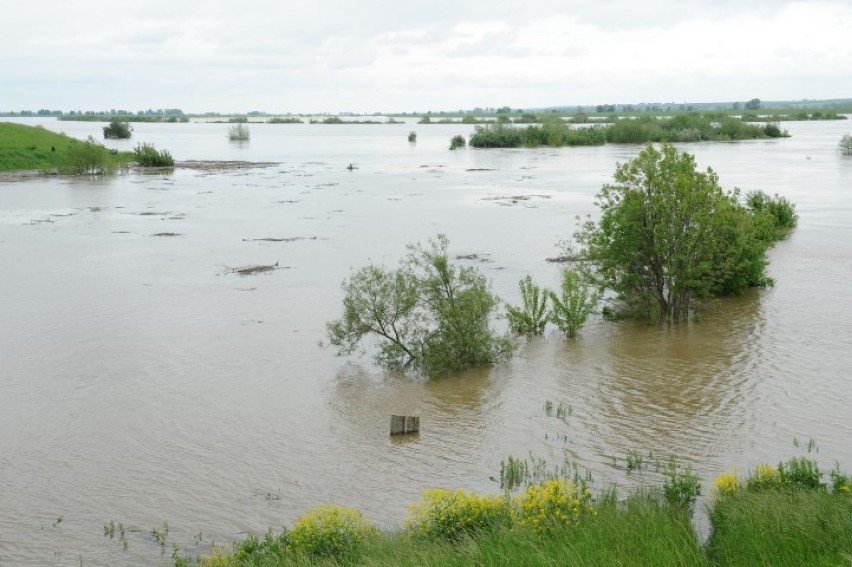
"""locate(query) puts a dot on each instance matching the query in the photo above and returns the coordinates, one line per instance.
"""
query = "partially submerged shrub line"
(148, 156)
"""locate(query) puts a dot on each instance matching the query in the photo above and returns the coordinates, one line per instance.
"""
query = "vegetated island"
(38, 151)
(688, 127)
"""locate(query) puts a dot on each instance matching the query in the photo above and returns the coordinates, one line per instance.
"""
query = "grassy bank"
(784, 515)
(28, 148)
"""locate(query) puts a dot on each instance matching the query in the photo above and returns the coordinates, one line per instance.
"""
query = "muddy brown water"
(143, 381)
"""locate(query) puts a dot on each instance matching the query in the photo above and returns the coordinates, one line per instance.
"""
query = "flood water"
(141, 381)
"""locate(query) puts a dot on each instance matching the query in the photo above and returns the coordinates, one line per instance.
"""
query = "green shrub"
(773, 130)
(776, 213)
(496, 136)
(457, 141)
(427, 314)
(88, 158)
(801, 472)
(239, 133)
(412, 136)
(532, 317)
(117, 130)
(845, 145)
(573, 305)
(270, 548)
(148, 156)
(555, 503)
(330, 531)
(840, 483)
(681, 486)
(764, 477)
(452, 516)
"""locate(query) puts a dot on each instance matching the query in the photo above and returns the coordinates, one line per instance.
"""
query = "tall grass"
(29, 148)
(788, 527)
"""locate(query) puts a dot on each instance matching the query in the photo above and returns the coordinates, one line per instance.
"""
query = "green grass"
(28, 148)
(643, 530)
(784, 516)
(786, 527)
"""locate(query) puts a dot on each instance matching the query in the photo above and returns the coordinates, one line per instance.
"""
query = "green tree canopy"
(670, 236)
(427, 314)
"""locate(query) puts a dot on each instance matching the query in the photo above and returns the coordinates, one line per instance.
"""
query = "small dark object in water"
(402, 424)
(259, 269)
(350, 167)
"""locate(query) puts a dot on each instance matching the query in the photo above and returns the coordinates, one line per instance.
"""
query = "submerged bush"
(330, 531)
(773, 213)
(239, 133)
(457, 141)
(573, 305)
(532, 317)
(412, 136)
(117, 130)
(148, 156)
(88, 158)
(845, 145)
(428, 314)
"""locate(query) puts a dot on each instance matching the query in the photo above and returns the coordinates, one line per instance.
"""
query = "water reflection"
(680, 390)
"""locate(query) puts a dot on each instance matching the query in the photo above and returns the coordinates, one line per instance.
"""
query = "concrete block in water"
(401, 424)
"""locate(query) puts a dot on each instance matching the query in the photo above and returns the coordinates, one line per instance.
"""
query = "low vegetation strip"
(783, 516)
(692, 127)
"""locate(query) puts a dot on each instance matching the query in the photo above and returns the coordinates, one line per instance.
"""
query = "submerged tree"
(845, 145)
(670, 236)
(573, 305)
(568, 309)
(531, 318)
(117, 130)
(427, 314)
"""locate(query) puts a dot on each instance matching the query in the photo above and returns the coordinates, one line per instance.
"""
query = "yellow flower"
(726, 483)
(766, 472)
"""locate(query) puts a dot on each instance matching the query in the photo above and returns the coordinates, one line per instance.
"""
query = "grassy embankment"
(782, 516)
(28, 148)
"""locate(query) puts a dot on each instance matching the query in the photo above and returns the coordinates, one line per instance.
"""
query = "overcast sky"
(393, 55)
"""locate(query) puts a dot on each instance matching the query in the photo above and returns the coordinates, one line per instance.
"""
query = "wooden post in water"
(401, 424)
